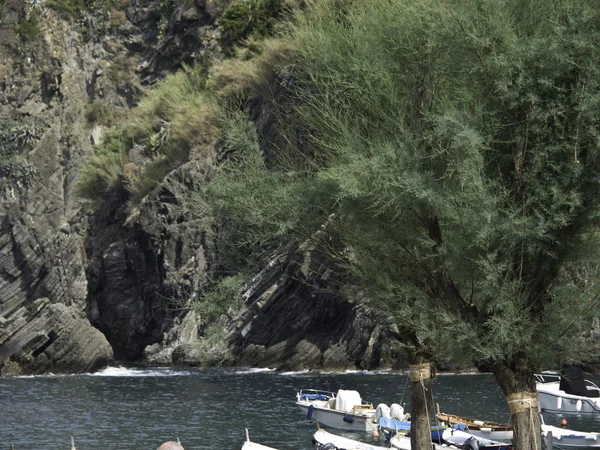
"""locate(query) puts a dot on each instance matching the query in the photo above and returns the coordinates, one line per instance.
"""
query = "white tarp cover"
(347, 400)
(382, 410)
(397, 412)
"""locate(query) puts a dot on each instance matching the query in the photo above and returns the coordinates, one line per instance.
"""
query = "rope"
(404, 390)
(522, 402)
(420, 372)
(426, 409)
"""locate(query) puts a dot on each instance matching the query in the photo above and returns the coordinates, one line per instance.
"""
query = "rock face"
(294, 322)
(43, 288)
(143, 267)
(46, 337)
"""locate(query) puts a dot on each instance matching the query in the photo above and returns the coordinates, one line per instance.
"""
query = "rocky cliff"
(80, 287)
(43, 288)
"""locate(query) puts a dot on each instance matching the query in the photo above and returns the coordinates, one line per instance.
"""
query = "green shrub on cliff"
(28, 28)
(225, 296)
(249, 18)
(101, 113)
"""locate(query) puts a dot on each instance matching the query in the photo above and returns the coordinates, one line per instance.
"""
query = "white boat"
(462, 439)
(325, 440)
(568, 393)
(249, 445)
(480, 428)
(344, 410)
(563, 438)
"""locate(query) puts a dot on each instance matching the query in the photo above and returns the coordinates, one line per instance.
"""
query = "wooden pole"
(549, 441)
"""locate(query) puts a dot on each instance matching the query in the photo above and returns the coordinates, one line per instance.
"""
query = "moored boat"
(466, 441)
(390, 427)
(325, 440)
(344, 410)
(249, 445)
(479, 428)
(569, 393)
(564, 438)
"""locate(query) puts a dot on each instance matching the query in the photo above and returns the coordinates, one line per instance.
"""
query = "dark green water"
(129, 409)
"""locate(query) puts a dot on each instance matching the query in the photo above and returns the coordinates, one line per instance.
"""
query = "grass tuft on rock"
(175, 121)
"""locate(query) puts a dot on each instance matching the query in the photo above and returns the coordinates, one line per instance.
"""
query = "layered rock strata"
(43, 287)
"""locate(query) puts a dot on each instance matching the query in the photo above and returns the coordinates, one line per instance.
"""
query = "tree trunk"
(517, 381)
(421, 408)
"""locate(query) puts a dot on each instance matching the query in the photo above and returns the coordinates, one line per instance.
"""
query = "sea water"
(133, 408)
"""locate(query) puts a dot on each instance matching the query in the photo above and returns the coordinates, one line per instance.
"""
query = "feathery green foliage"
(458, 171)
(224, 296)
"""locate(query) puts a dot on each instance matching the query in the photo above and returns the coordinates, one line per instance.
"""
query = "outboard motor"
(470, 444)
(382, 410)
(328, 446)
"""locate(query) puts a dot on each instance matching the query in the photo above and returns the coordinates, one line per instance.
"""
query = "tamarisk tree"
(448, 159)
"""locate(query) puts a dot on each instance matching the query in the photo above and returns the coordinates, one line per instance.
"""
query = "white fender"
(486, 429)
(578, 405)
(559, 403)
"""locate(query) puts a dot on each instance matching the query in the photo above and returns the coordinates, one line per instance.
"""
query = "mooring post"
(549, 440)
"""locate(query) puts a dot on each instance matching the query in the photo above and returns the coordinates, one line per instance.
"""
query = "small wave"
(358, 372)
(45, 375)
(444, 374)
(295, 373)
(252, 370)
(133, 372)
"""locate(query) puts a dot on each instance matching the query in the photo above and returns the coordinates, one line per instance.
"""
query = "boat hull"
(340, 420)
(254, 446)
(493, 435)
(563, 438)
(321, 438)
(553, 400)
(459, 438)
(479, 428)
(399, 442)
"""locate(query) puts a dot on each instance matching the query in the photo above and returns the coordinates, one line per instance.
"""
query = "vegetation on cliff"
(175, 118)
(16, 138)
(249, 18)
